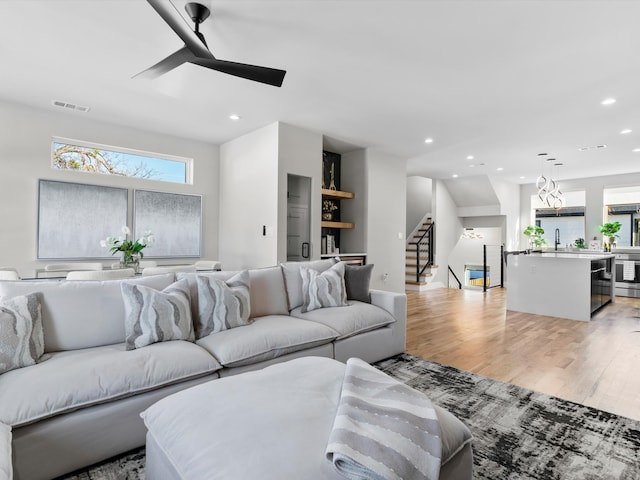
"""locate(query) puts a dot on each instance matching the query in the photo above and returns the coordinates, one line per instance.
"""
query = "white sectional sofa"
(80, 403)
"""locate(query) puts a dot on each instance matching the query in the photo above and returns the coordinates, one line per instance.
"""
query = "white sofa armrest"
(6, 469)
(394, 303)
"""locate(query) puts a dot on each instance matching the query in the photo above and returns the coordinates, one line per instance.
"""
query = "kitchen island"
(560, 284)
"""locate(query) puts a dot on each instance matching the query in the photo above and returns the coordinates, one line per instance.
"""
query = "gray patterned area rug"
(518, 433)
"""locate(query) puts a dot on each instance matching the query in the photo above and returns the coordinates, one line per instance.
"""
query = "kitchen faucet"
(557, 238)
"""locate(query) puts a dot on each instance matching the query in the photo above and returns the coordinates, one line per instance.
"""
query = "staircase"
(411, 264)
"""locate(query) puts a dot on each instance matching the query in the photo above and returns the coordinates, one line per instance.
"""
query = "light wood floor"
(594, 363)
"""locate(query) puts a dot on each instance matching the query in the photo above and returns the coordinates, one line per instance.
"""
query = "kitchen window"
(568, 220)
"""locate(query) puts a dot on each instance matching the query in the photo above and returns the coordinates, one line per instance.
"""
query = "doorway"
(298, 218)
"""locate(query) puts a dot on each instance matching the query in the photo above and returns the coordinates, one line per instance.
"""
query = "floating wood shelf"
(337, 194)
(337, 225)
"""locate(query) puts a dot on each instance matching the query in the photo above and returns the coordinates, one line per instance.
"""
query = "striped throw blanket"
(383, 429)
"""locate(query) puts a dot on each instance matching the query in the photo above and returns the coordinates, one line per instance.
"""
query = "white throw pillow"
(156, 316)
(324, 289)
(21, 336)
(222, 304)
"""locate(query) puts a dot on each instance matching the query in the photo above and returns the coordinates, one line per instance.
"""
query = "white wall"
(448, 228)
(25, 157)
(509, 197)
(353, 178)
(249, 200)
(386, 205)
(419, 200)
(299, 153)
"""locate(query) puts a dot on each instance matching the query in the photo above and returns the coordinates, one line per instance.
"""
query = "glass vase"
(130, 261)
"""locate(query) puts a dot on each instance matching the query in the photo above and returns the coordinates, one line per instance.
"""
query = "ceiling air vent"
(70, 106)
(592, 147)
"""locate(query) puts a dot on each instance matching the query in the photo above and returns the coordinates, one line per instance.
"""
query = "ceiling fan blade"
(178, 24)
(270, 76)
(163, 66)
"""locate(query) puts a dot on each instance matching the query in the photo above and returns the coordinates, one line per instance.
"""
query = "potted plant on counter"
(534, 232)
(610, 230)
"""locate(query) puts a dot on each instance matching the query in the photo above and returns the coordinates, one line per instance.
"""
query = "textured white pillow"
(156, 316)
(21, 337)
(324, 289)
(222, 304)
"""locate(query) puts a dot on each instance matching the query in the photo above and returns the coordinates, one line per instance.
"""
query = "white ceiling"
(500, 80)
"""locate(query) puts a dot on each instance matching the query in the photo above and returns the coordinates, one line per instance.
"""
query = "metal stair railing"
(451, 272)
(424, 244)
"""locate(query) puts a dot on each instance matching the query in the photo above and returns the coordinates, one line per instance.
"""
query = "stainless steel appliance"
(631, 287)
(601, 283)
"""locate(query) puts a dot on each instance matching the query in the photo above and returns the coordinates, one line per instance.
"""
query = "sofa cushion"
(21, 341)
(267, 290)
(356, 317)
(357, 279)
(156, 316)
(81, 378)
(326, 289)
(222, 305)
(6, 469)
(268, 293)
(81, 314)
(266, 338)
(293, 279)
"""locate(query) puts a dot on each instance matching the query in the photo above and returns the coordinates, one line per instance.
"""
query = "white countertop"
(574, 255)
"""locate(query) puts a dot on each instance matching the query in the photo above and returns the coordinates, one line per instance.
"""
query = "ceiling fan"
(196, 51)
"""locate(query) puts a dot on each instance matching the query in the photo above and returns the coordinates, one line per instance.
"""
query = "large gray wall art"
(74, 217)
(174, 219)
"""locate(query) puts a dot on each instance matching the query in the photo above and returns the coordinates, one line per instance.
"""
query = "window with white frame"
(107, 160)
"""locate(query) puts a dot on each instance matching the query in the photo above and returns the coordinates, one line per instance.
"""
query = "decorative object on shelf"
(328, 207)
(610, 230)
(332, 183)
(548, 189)
(534, 232)
(331, 170)
(131, 251)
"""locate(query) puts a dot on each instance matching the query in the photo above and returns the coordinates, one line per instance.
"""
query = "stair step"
(413, 282)
(413, 265)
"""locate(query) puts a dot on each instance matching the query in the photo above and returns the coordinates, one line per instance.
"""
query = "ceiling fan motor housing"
(198, 12)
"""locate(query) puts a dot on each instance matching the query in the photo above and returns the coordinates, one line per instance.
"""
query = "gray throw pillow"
(324, 289)
(222, 304)
(21, 336)
(156, 316)
(357, 279)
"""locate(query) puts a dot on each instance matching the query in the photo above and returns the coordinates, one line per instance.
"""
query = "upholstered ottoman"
(270, 424)
(6, 469)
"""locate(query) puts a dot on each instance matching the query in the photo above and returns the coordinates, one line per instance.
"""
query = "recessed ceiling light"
(471, 165)
(608, 101)
(234, 117)
(625, 131)
(455, 175)
(636, 150)
(428, 140)
(499, 169)
(522, 177)
(470, 157)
